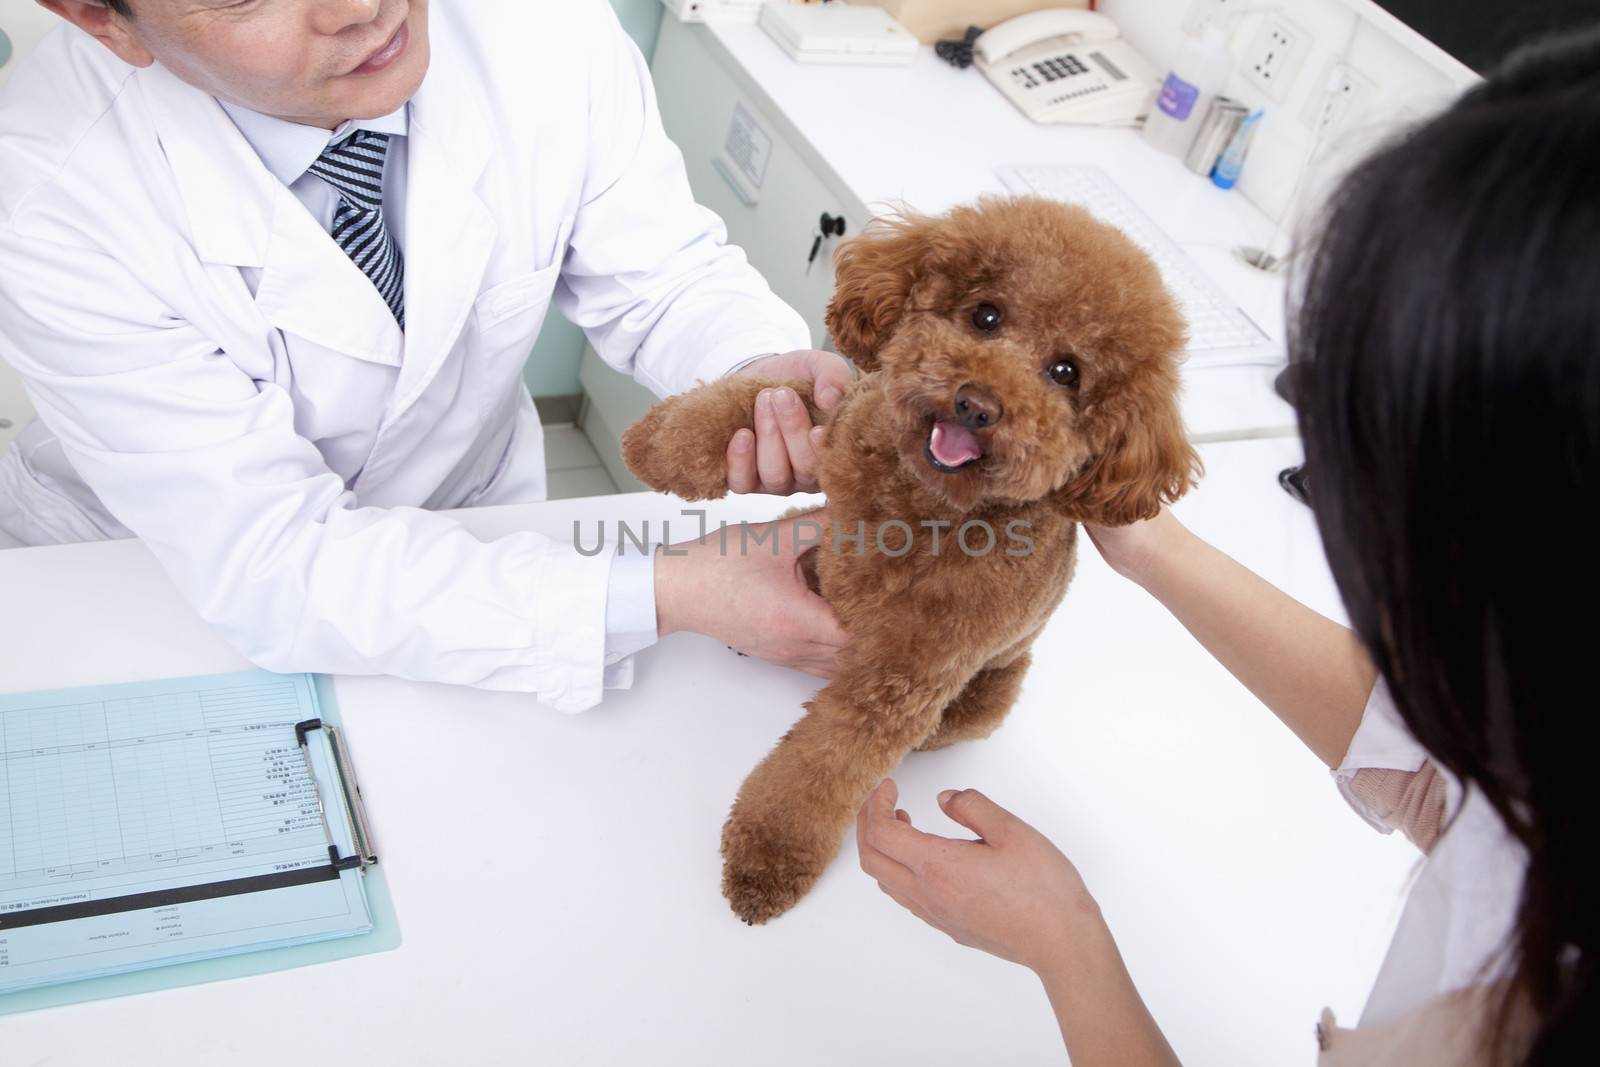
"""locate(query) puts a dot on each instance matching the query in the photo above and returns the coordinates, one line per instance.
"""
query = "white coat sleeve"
(648, 274)
(1387, 777)
(205, 466)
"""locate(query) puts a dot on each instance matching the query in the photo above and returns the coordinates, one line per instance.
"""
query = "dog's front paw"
(767, 867)
(669, 451)
(680, 446)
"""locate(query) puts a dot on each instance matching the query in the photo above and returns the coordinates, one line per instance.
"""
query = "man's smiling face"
(317, 62)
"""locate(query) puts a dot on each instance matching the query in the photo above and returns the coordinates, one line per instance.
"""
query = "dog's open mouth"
(952, 446)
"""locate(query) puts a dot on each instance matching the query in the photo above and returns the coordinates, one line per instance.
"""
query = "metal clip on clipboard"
(350, 791)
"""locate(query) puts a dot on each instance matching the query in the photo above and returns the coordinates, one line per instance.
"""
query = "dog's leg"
(980, 708)
(793, 809)
(680, 446)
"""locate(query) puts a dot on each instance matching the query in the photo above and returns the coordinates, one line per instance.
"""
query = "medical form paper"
(162, 822)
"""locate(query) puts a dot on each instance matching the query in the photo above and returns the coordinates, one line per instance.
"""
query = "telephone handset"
(1067, 66)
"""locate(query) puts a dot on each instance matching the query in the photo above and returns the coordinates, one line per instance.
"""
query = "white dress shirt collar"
(288, 148)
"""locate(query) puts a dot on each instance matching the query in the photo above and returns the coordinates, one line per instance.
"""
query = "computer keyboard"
(1220, 333)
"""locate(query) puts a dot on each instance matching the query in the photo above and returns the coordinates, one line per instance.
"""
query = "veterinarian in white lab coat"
(1445, 347)
(270, 272)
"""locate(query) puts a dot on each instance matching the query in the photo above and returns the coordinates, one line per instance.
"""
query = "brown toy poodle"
(1019, 376)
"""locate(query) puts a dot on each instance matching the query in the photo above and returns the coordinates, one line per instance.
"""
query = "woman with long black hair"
(1446, 345)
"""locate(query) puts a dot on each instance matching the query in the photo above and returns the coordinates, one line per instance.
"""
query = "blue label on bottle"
(1177, 97)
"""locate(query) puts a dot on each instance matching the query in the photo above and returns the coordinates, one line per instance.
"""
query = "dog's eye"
(1064, 372)
(986, 317)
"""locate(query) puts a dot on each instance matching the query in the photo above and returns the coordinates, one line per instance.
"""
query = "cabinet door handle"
(829, 226)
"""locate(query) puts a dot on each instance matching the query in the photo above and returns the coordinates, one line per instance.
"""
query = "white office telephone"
(1067, 66)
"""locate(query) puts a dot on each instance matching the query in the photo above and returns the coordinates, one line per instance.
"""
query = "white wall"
(1412, 77)
(24, 22)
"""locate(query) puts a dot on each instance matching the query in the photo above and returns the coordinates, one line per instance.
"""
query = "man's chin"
(370, 96)
(382, 98)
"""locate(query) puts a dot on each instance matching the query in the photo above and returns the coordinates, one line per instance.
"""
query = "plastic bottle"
(1198, 74)
(1226, 172)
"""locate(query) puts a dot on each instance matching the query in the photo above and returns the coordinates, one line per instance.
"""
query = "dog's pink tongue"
(952, 444)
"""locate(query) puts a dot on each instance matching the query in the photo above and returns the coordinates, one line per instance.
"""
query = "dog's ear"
(1149, 464)
(874, 273)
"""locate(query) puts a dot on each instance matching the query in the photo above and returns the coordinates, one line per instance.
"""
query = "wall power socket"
(1200, 11)
(1275, 55)
(1342, 93)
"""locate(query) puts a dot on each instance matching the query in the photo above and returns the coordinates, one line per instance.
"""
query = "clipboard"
(384, 935)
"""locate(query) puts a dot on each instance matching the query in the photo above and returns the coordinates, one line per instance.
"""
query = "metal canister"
(1222, 121)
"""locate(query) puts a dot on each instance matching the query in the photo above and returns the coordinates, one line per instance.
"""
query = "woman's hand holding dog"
(749, 596)
(1134, 549)
(1014, 895)
(780, 456)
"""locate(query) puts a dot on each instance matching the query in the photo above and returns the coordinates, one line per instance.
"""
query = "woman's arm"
(1103, 1019)
(1312, 672)
(1014, 894)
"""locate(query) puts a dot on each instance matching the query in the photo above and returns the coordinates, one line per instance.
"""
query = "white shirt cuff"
(1381, 740)
(743, 363)
(630, 608)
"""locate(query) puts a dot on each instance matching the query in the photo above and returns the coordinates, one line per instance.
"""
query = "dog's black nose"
(976, 409)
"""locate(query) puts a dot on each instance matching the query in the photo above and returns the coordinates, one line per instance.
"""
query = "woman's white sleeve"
(1381, 742)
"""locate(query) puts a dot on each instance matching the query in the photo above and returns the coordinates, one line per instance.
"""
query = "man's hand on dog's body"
(734, 587)
(1013, 894)
(781, 455)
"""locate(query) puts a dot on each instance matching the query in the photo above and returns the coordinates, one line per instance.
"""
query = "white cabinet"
(775, 217)
(706, 103)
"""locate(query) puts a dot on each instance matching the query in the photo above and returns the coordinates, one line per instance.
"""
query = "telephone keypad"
(1058, 67)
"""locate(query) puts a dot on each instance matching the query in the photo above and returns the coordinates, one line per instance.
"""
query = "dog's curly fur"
(940, 638)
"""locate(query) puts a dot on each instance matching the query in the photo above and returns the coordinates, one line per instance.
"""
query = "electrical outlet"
(1345, 92)
(1200, 11)
(1275, 57)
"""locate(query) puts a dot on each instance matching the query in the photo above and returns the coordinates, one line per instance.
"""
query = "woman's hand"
(1134, 550)
(781, 455)
(1011, 893)
(743, 586)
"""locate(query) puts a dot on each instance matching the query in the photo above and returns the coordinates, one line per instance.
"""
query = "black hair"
(1446, 348)
(120, 7)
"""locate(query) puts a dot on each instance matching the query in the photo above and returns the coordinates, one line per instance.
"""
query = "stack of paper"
(162, 822)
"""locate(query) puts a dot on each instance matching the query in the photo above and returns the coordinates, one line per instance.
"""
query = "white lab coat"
(196, 345)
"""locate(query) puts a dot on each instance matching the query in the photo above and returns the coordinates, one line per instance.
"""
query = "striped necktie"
(354, 167)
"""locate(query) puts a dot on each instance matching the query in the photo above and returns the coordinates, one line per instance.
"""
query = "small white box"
(838, 33)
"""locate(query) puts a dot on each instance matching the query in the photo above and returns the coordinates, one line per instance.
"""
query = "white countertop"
(941, 132)
(556, 878)
(929, 136)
